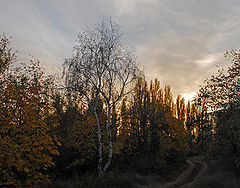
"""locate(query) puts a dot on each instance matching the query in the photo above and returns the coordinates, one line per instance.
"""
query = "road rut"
(188, 178)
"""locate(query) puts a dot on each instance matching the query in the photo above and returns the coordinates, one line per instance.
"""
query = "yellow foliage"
(26, 145)
(26, 170)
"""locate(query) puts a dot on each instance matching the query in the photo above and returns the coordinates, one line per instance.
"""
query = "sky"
(180, 42)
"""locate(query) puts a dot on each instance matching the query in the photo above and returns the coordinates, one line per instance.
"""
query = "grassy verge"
(220, 174)
(194, 173)
(219, 180)
(117, 179)
(175, 172)
(114, 179)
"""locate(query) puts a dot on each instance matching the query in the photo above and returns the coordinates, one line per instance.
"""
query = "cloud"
(207, 61)
(125, 7)
(180, 42)
(177, 61)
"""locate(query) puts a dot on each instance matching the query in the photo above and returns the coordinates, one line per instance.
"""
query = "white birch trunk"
(109, 131)
(100, 171)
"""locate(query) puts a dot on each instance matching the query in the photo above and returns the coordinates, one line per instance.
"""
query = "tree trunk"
(100, 171)
(109, 131)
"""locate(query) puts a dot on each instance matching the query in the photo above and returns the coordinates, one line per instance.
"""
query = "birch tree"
(101, 64)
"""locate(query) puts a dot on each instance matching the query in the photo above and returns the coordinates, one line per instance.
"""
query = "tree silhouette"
(102, 65)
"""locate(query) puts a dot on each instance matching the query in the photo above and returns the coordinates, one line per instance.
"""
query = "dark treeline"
(145, 127)
(106, 116)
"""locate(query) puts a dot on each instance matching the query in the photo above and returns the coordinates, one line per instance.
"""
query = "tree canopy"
(26, 141)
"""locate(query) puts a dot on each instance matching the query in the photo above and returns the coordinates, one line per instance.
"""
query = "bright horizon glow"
(189, 96)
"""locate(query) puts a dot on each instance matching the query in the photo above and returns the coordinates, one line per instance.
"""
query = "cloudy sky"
(178, 41)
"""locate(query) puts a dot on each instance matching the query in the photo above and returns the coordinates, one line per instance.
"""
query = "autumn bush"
(26, 141)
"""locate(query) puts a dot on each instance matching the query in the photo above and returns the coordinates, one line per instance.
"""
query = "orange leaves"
(26, 144)
(57, 140)
(54, 152)
(26, 170)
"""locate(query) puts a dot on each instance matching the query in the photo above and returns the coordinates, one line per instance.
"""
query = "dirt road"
(188, 178)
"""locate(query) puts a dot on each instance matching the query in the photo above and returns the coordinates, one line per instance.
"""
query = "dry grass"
(220, 175)
(219, 180)
(110, 180)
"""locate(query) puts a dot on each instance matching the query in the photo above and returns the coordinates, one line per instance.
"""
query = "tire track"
(187, 179)
(200, 174)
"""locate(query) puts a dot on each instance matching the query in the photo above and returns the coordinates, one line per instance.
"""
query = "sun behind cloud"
(189, 96)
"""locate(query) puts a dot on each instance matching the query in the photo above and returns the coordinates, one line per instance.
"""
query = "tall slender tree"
(102, 65)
